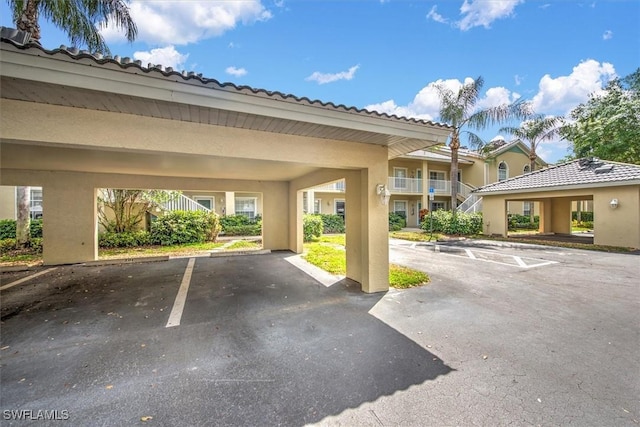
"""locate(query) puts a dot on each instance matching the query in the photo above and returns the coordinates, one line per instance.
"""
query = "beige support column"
(426, 203)
(494, 215)
(561, 215)
(275, 216)
(371, 258)
(545, 217)
(69, 226)
(229, 203)
(353, 236)
(310, 201)
(295, 220)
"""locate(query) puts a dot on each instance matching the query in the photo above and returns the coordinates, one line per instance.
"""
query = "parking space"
(259, 342)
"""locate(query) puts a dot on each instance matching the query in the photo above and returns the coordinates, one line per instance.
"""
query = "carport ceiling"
(54, 158)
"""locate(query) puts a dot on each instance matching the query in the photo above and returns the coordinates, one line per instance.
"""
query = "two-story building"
(414, 176)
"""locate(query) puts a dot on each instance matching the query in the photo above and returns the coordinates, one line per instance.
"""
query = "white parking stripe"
(24, 279)
(520, 262)
(470, 254)
(178, 305)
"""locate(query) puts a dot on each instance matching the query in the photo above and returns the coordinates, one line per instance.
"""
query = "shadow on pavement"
(260, 343)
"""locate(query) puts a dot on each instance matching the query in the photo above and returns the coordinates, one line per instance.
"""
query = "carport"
(613, 187)
(73, 122)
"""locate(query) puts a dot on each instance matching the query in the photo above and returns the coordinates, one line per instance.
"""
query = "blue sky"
(387, 54)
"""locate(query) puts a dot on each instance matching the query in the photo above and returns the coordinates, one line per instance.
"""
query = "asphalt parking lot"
(548, 340)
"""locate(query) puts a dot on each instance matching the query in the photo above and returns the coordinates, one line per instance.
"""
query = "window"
(526, 169)
(36, 203)
(503, 171)
(340, 185)
(317, 203)
(400, 177)
(435, 206)
(527, 208)
(437, 181)
(246, 206)
(207, 202)
(340, 207)
(400, 207)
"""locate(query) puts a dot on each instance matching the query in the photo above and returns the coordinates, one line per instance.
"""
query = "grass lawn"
(242, 245)
(414, 236)
(328, 253)
(185, 249)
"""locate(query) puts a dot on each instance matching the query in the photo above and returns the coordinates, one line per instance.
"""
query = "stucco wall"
(620, 226)
(7, 202)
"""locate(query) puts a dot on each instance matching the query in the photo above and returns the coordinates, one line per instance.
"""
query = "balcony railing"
(404, 185)
(336, 187)
(399, 185)
(184, 203)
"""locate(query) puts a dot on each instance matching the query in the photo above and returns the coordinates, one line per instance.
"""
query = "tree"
(608, 124)
(121, 211)
(81, 20)
(534, 131)
(459, 109)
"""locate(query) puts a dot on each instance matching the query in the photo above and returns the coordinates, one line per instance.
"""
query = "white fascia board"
(74, 73)
(560, 188)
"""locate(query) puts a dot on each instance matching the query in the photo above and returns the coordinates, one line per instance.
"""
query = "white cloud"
(166, 56)
(237, 72)
(608, 35)
(426, 103)
(478, 13)
(561, 94)
(182, 22)
(433, 14)
(518, 79)
(323, 78)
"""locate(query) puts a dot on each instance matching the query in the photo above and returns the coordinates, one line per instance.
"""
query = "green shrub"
(7, 244)
(8, 228)
(584, 216)
(448, 223)
(127, 239)
(244, 230)
(332, 224)
(180, 227)
(523, 222)
(241, 225)
(396, 221)
(311, 227)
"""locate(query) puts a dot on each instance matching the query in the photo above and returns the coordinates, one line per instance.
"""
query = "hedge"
(9, 244)
(180, 227)
(448, 223)
(312, 227)
(8, 228)
(127, 239)
(523, 222)
(396, 222)
(332, 224)
(241, 225)
(584, 216)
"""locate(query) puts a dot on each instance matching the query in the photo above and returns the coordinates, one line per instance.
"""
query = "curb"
(125, 261)
(239, 253)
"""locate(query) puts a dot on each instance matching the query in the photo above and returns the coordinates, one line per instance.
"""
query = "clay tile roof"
(18, 40)
(586, 172)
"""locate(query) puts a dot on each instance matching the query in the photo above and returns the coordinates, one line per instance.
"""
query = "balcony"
(336, 187)
(440, 187)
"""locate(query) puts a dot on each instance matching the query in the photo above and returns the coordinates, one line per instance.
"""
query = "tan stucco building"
(411, 176)
(613, 188)
(73, 122)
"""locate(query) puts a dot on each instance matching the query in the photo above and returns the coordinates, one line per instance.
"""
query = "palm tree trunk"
(23, 217)
(532, 158)
(454, 146)
(28, 20)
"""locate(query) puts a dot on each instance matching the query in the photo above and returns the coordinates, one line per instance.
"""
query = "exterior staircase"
(183, 203)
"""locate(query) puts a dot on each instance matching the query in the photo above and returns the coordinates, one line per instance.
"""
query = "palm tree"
(81, 20)
(534, 131)
(459, 109)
